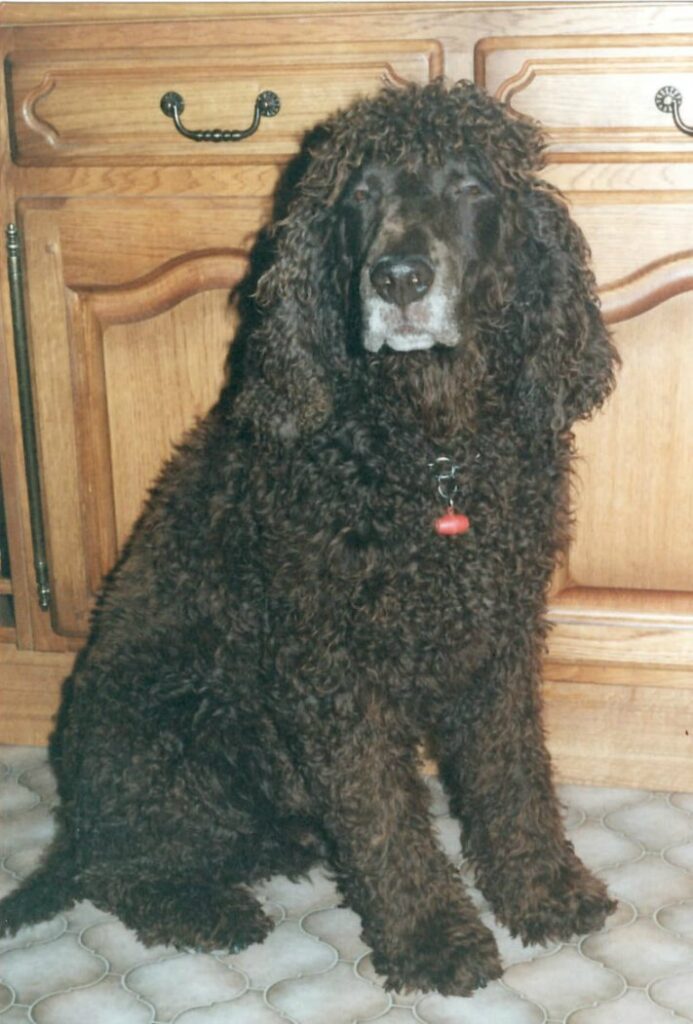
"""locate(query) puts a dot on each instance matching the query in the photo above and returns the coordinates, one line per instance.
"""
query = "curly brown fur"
(285, 625)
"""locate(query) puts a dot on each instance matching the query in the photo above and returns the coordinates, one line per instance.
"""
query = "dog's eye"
(466, 187)
(361, 194)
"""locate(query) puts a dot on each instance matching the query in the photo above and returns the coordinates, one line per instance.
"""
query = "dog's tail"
(53, 887)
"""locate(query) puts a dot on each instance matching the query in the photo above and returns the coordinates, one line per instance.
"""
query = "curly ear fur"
(568, 360)
(298, 327)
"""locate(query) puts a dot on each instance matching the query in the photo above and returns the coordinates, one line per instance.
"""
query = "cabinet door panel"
(183, 351)
(121, 368)
(634, 532)
(625, 592)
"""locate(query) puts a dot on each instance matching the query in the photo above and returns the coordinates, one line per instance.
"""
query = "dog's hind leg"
(185, 913)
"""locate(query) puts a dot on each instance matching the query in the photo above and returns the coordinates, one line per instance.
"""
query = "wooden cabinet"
(132, 238)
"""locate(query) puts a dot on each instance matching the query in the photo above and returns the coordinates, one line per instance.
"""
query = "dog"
(350, 555)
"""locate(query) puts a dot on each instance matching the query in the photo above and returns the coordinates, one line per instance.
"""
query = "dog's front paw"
(574, 903)
(453, 958)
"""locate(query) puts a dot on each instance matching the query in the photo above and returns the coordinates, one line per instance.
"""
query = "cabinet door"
(625, 593)
(128, 307)
(624, 596)
(620, 658)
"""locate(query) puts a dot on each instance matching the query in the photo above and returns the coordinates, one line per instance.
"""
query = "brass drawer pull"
(266, 105)
(668, 99)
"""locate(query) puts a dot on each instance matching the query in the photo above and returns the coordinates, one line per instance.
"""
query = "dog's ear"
(291, 353)
(567, 360)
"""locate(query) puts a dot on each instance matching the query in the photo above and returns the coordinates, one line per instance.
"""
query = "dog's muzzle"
(407, 303)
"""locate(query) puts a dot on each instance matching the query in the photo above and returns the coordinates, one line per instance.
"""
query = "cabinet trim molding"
(26, 406)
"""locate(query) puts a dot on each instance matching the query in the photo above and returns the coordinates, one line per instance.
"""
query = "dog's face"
(414, 233)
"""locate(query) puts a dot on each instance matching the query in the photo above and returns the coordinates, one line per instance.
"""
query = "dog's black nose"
(402, 280)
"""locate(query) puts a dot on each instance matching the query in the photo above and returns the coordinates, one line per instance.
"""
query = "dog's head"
(420, 234)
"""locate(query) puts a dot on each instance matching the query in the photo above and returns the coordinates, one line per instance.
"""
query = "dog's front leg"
(422, 926)
(494, 763)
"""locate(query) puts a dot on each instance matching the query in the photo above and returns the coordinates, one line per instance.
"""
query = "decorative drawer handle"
(266, 105)
(668, 99)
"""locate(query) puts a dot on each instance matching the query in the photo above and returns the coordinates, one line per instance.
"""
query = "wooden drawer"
(74, 107)
(595, 94)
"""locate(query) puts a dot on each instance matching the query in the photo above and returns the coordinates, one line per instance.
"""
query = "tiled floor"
(86, 968)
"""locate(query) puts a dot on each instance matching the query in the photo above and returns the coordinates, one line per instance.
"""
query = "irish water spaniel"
(348, 556)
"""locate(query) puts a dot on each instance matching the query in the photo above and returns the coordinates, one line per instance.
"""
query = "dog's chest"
(357, 539)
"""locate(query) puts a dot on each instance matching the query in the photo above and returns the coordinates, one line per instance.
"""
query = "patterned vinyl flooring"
(84, 967)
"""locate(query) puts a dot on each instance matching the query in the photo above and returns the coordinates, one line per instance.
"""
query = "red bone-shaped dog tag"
(451, 523)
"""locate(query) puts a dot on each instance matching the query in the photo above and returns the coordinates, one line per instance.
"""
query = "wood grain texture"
(30, 685)
(605, 735)
(183, 349)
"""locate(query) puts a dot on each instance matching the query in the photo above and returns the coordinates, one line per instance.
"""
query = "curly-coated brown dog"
(350, 554)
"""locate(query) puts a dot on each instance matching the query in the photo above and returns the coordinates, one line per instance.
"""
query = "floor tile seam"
(589, 960)
(412, 1008)
(224, 1002)
(631, 798)
(645, 990)
(320, 941)
(672, 931)
(620, 833)
(92, 952)
(40, 765)
(231, 968)
(645, 797)
(668, 977)
(283, 914)
(566, 810)
(4, 857)
(676, 846)
(85, 988)
(31, 943)
(10, 816)
(380, 1016)
(13, 993)
(600, 963)
(209, 1006)
(652, 798)
(275, 1009)
(638, 916)
(677, 867)
(525, 999)
(675, 1017)
(195, 1009)
(219, 957)
(597, 1003)
(681, 810)
(302, 976)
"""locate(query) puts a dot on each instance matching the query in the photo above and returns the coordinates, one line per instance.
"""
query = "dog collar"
(451, 523)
